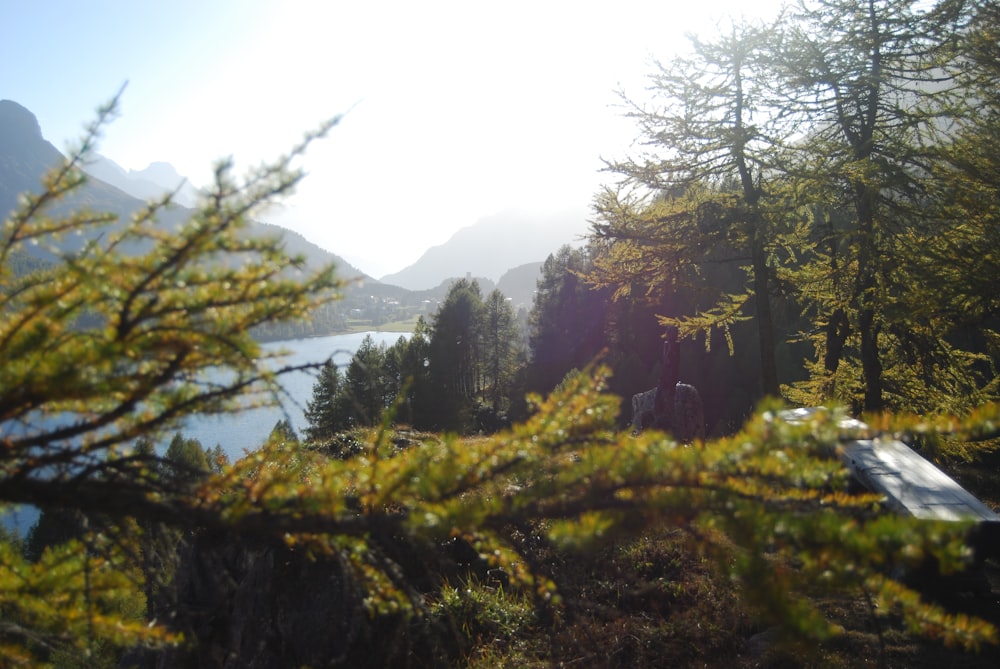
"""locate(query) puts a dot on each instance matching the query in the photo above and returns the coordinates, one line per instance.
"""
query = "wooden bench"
(910, 484)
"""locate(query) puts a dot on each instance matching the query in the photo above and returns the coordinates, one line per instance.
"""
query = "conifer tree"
(956, 275)
(567, 323)
(413, 377)
(500, 350)
(186, 456)
(697, 195)
(323, 411)
(366, 390)
(870, 85)
(454, 356)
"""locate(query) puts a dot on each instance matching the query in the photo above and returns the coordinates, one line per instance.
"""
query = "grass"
(402, 326)
(656, 603)
(495, 620)
(652, 603)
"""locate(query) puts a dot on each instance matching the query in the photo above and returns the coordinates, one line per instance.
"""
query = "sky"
(452, 110)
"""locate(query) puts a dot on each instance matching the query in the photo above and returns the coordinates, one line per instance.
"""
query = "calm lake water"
(245, 431)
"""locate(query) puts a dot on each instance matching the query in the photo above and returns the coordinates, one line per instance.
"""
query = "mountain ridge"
(152, 182)
(492, 246)
(504, 250)
(25, 156)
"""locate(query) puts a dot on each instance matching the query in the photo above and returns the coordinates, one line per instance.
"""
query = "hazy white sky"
(457, 109)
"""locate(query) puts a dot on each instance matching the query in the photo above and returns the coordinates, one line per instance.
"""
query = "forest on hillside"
(811, 211)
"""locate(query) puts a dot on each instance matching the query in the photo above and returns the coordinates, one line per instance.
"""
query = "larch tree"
(868, 81)
(959, 268)
(698, 194)
(117, 341)
(106, 346)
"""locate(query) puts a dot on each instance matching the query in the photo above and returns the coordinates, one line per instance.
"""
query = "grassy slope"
(657, 603)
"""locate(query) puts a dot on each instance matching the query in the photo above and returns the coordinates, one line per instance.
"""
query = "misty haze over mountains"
(506, 248)
(147, 184)
(494, 245)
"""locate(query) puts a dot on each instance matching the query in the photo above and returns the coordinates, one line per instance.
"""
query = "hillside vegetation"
(800, 217)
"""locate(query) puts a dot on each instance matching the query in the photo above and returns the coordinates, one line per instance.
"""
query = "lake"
(246, 431)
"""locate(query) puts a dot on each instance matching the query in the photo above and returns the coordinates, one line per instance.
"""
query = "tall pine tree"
(324, 412)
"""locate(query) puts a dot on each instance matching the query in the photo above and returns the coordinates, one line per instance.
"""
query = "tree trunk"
(866, 296)
(765, 319)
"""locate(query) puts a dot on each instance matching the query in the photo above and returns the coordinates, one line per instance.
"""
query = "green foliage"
(322, 411)
(454, 355)
(11, 536)
(770, 504)
(186, 455)
(53, 527)
(182, 301)
(367, 388)
(487, 615)
(836, 162)
(501, 352)
(568, 320)
(107, 345)
(955, 276)
(113, 344)
(458, 373)
(283, 434)
(75, 599)
(872, 90)
(409, 388)
(701, 197)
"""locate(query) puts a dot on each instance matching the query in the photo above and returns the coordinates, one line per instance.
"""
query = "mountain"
(150, 183)
(486, 250)
(25, 156)
(315, 255)
(493, 245)
(520, 284)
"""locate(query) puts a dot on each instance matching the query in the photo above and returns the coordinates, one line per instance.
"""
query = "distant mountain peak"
(160, 173)
(151, 182)
(493, 245)
(19, 123)
(25, 156)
